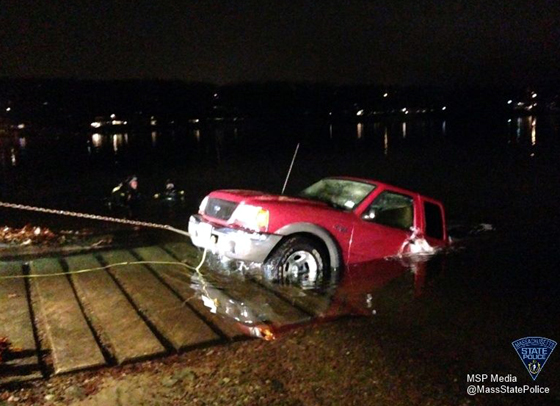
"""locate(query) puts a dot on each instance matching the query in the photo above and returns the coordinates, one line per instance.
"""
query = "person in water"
(170, 190)
(125, 196)
(170, 193)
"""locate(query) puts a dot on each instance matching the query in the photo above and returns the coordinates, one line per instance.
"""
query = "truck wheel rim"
(302, 263)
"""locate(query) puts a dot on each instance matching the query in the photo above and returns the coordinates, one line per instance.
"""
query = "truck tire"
(298, 261)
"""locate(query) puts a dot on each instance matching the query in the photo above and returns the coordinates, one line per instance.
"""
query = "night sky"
(402, 42)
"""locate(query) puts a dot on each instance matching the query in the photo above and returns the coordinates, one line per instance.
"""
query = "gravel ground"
(326, 364)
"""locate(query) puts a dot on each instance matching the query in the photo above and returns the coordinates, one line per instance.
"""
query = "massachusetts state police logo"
(534, 352)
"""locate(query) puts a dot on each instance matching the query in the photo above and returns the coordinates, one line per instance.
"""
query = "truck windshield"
(339, 193)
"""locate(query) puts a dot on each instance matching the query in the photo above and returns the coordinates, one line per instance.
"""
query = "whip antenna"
(290, 170)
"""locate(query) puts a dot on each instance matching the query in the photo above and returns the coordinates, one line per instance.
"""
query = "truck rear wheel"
(298, 261)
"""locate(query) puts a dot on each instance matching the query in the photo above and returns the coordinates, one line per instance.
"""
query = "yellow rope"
(87, 270)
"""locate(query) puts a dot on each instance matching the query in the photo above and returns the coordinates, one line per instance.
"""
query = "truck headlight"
(203, 205)
(251, 217)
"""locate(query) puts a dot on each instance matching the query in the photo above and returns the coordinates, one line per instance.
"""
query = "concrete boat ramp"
(142, 303)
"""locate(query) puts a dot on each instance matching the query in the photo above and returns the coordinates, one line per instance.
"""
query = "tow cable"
(263, 332)
(108, 219)
(93, 217)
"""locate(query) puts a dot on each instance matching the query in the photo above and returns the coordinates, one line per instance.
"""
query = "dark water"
(493, 159)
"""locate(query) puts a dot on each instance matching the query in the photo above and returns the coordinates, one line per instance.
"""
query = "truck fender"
(319, 232)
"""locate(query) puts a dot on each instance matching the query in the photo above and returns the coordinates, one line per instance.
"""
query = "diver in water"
(125, 196)
(170, 200)
(170, 190)
(170, 194)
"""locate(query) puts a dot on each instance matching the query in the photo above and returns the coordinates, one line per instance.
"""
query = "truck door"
(383, 227)
(434, 223)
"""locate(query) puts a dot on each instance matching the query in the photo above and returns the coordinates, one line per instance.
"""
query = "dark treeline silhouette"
(74, 103)
(71, 102)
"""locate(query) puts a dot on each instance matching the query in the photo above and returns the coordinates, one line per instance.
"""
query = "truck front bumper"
(231, 243)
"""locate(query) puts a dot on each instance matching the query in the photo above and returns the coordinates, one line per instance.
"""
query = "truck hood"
(261, 198)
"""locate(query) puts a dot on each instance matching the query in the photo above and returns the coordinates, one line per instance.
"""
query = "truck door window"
(391, 209)
(434, 220)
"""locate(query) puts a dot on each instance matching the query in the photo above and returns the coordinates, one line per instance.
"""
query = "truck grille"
(220, 209)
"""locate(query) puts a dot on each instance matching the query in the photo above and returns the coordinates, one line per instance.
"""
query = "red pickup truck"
(309, 238)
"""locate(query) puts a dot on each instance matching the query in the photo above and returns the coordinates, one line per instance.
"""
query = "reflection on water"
(119, 140)
(534, 131)
(219, 141)
(97, 141)
(244, 296)
(360, 130)
(12, 150)
(13, 156)
(196, 133)
(526, 131)
(386, 142)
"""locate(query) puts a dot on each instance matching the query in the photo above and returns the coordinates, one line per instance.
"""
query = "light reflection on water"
(244, 296)
(519, 127)
(534, 131)
(360, 130)
(386, 142)
(97, 140)
(196, 133)
(525, 130)
(13, 156)
(217, 140)
(117, 141)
